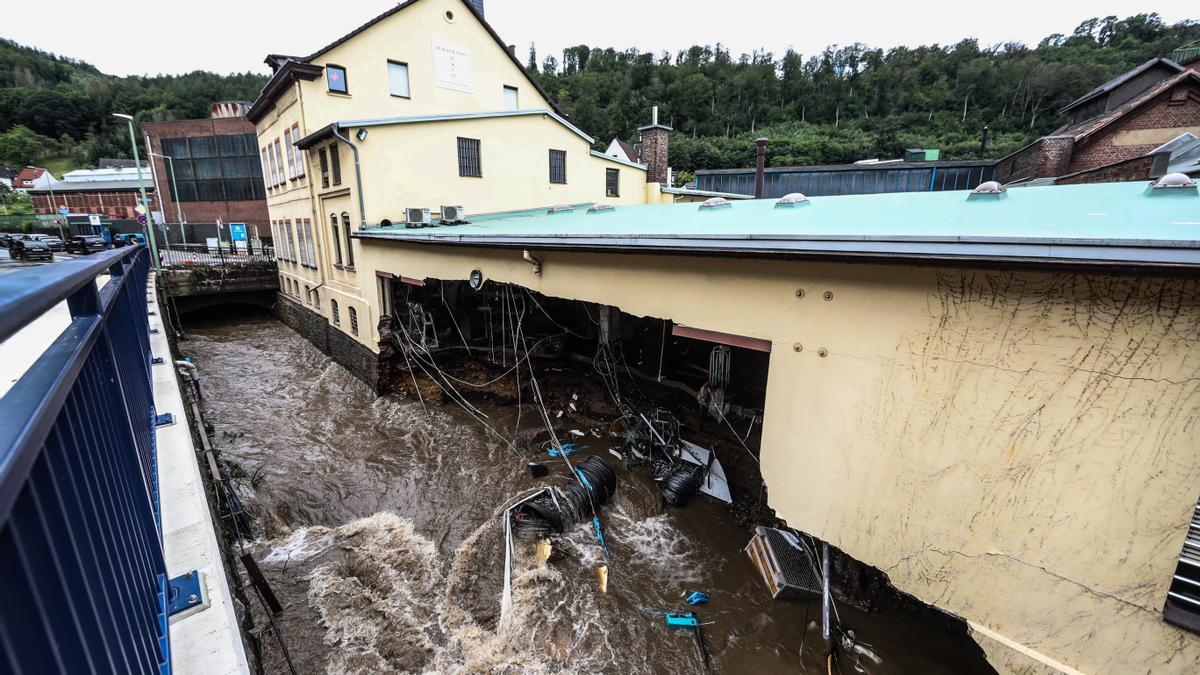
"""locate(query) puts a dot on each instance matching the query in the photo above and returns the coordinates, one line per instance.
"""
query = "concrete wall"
(1017, 448)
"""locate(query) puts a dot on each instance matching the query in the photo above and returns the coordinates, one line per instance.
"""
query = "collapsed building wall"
(969, 432)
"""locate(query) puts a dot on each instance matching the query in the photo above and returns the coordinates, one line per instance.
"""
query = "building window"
(299, 153)
(309, 242)
(353, 320)
(265, 165)
(468, 157)
(335, 77)
(612, 182)
(337, 316)
(335, 163)
(337, 246)
(558, 166)
(398, 79)
(511, 100)
(279, 158)
(324, 162)
(307, 294)
(316, 298)
(349, 244)
(291, 154)
(291, 238)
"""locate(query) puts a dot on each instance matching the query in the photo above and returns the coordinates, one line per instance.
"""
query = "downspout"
(362, 209)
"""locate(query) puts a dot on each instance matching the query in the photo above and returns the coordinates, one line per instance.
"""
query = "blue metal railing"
(83, 582)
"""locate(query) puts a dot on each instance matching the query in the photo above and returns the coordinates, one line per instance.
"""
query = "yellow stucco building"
(382, 120)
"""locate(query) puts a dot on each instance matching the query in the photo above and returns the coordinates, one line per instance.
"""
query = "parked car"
(4, 238)
(52, 241)
(31, 249)
(84, 244)
(13, 238)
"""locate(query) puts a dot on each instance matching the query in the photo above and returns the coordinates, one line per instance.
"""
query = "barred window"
(612, 182)
(468, 158)
(337, 316)
(353, 321)
(558, 166)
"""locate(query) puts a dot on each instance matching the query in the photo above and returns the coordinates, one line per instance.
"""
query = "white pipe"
(537, 264)
(825, 601)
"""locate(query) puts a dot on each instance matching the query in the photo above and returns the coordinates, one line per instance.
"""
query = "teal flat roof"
(1107, 223)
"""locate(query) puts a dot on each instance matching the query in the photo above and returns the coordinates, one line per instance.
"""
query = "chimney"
(654, 149)
(760, 167)
(478, 5)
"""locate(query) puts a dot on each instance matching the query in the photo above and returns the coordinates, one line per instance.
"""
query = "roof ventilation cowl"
(715, 203)
(560, 208)
(601, 208)
(989, 189)
(1174, 181)
(792, 200)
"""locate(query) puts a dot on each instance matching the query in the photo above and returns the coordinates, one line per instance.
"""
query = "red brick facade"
(1175, 108)
(251, 212)
(1104, 148)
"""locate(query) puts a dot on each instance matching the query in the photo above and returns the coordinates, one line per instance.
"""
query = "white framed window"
(291, 154)
(308, 235)
(279, 157)
(299, 152)
(266, 166)
(398, 79)
(511, 98)
(291, 238)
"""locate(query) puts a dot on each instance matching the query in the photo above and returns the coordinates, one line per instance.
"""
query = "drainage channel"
(378, 522)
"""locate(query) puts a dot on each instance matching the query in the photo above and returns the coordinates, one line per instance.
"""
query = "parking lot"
(7, 264)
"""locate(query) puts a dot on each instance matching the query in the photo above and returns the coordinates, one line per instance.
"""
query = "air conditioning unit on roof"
(417, 218)
(452, 215)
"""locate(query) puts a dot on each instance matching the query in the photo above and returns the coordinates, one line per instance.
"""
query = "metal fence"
(821, 181)
(187, 255)
(83, 584)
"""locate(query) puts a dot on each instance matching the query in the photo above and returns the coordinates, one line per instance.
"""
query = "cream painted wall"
(408, 37)
(1016, 448)
(417, 165)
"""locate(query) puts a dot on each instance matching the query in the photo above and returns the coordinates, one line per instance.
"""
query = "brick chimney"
(654, 149)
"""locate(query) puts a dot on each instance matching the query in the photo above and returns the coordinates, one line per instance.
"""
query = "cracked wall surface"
(1018, 448)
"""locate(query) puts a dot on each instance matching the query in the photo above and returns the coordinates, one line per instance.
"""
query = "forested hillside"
(58, 111)
(853, 102)
(844, 104)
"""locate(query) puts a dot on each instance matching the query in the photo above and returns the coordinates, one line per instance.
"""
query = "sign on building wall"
(451, 66)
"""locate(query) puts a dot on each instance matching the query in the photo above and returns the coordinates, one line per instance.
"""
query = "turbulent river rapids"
(378, 523)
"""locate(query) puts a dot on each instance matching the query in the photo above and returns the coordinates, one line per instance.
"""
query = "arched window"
(337, 317)
(353, 321)
(349, 246)
(337, 240)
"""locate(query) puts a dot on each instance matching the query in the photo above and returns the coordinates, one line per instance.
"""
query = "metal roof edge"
(456, 117)
(618, 160)
(1041, 253)
(704, 193)
(881, 166)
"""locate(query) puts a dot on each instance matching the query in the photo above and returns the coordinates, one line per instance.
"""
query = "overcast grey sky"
(234, 35)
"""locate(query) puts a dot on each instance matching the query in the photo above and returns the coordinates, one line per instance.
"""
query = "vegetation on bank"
(843, 104)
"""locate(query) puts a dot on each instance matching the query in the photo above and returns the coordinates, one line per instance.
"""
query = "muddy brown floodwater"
(376, 521)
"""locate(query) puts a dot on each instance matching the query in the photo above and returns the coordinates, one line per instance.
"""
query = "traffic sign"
(64, 211)
(93, 219)
(141, 219)
(140, 209)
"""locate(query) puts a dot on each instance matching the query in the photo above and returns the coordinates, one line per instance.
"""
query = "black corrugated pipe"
(761, 148)
(362, 209)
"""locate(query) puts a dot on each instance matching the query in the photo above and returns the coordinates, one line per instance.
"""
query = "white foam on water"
(301, 544)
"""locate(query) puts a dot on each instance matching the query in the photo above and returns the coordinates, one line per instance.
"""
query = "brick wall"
(1161, 113)
(1046, 157)
(654, 153)
(343, 349)
(1137, 168)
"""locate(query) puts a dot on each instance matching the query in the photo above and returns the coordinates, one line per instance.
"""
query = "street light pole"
(174, 193)
(142, 187)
